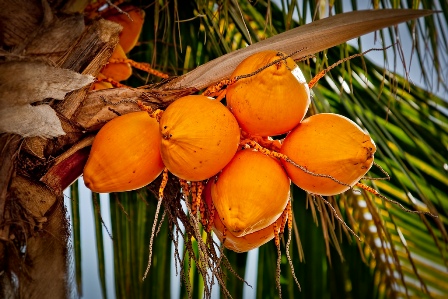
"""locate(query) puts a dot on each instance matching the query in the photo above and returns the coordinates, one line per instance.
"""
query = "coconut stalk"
(35, 170)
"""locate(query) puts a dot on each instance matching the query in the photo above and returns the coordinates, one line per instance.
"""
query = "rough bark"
(34, 230)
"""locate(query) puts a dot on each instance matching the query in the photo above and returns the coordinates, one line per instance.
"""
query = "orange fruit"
(199, 137)
(251, 192)
(125, 154)
(132, 25)
(117, 71)
(271, 102)
(328, 144)
(246, 242)
(237, 244)
(101, 84)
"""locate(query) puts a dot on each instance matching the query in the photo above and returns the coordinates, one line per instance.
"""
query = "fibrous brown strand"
(266, 142)
(161, 222)
(277, 276)
(157, 114)
(164, 182)
(114, 83)
(282, 58)
(288, 256)
(154, 225)
(387, 177)
(204, 219)
(194, 198)
(199, 202)
(376, 193)
(95, 197)
(141, 66)
(290, 220)
(274, 154)
(276, 234)
(284, 218)
(335, 214)
(211, 217)
(218, 88)
(185, 188)
(325, 71)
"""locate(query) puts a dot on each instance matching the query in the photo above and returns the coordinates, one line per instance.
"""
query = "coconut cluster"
(227, 152)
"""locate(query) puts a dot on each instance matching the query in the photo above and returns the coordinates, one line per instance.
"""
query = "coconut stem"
(218, 90)
(288, 255)
(211, 218)
(335, 214)
(163, 183)
(285, 215)
(151, 241)
(141, 66)
(387, 177)
(325, 71)
(277, 278)
(157, 114)
(114, 83)
(376, 193)
(278, 155)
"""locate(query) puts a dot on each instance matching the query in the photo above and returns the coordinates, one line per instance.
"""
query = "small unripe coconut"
(271, 102)
(251, 192)
(132, 23)
(199, 137)
(99, 85)
(118, 71)
(125, 154)
(328, 144)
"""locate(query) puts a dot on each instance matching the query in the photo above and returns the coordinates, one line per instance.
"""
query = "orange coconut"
(199, 137)
(99, 85)
(251, 192)
(118, 71)
(328, 144)
(237, 244)
(125, 154)
(272, 101)
(132, 23)
(246, 242)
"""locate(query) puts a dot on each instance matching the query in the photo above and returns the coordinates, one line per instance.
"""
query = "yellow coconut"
(232, 242)
(132, 23)
(125, 154)
(271, 102)
(117, 71)
(246, 242)
(251, 192)
(101, 84)
(328, 144)
(199, 137)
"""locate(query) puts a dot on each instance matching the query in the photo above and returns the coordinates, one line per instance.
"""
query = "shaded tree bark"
(34, 230)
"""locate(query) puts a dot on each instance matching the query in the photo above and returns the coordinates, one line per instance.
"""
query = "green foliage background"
(400, 254)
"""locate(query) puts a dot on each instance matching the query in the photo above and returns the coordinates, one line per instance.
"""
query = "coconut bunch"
(236, 174)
